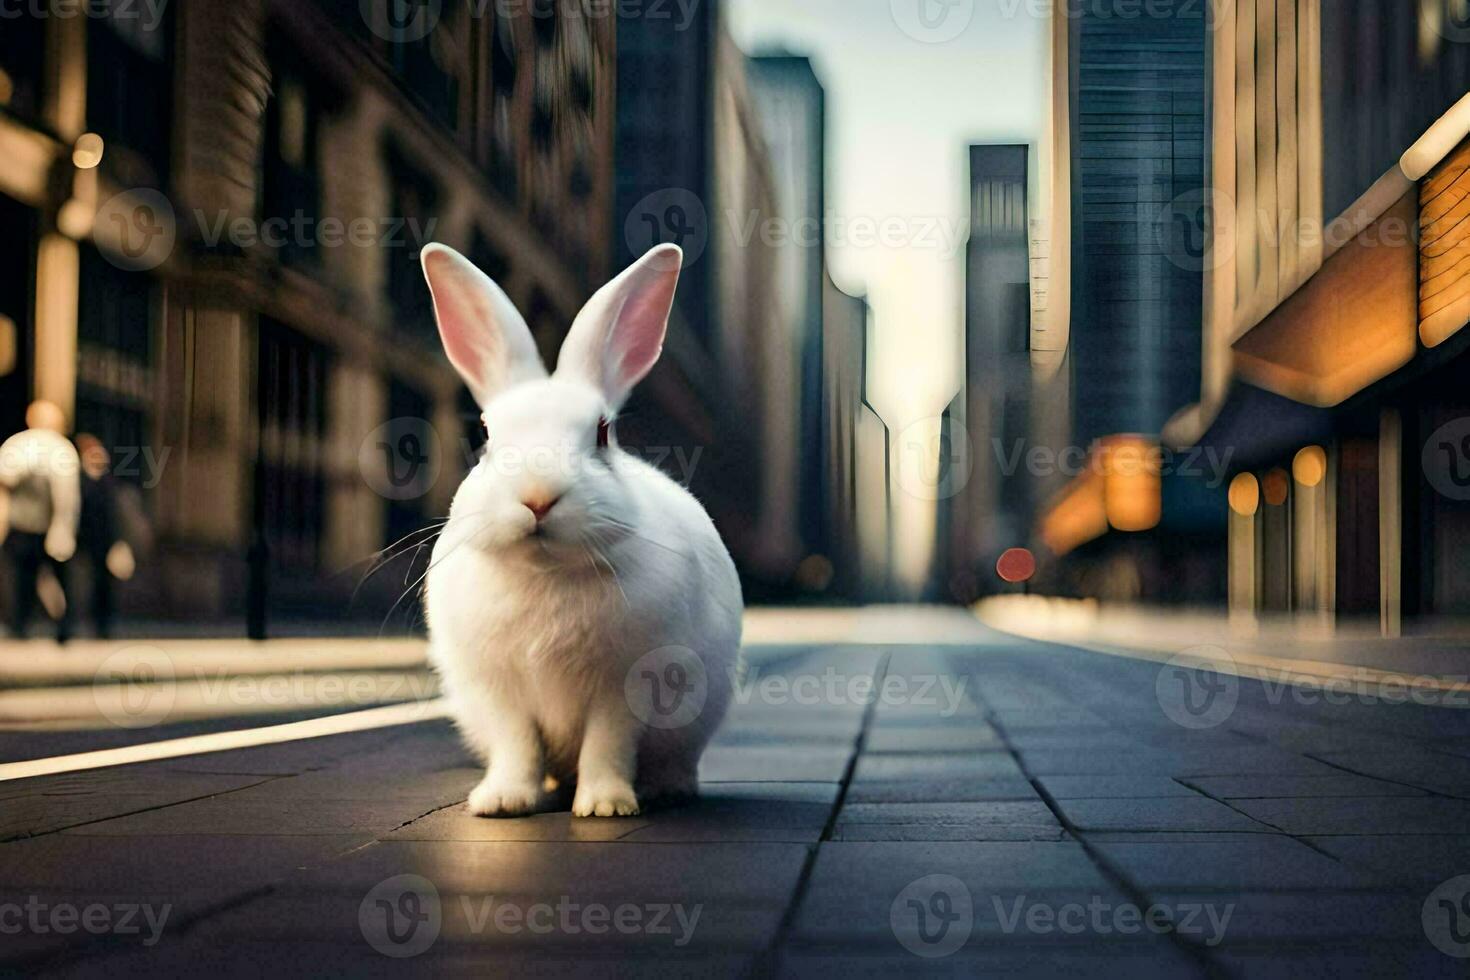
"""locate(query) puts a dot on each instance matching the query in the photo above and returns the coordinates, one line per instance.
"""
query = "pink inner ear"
(638, 335)
(464, 327)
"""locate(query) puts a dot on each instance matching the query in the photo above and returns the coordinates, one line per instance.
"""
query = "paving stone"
(1261, 863)
(432, 785)
(1445, 774)
(1254, 917)
(744, 812)
(456, 823)
(1362, 815)
(935, 766)
(753, 874)
(1158, 762)
(1140, 961)
(871, 920)
(932, 738)
(1166, 814)
(1340, 961)
(146, 891)
(1268, 786)
(37, 806)
(1120, 787)
(249, 959)
(263, 817)
(488, 919)
(809, 764)
(205, 863)
(1412, 861)
(942, 790)
(853, 868)
(999, 821)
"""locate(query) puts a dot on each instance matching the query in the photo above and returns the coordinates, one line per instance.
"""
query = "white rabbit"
(584, 615)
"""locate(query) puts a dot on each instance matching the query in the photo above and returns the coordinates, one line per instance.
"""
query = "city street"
(963, 803)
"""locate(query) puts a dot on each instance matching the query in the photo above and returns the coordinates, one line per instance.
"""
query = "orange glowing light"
(1310, 466)
(87, 153)
(1245, 494)
(1132, 488)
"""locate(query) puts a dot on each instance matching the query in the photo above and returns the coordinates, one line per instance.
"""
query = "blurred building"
(220, 216)
(1336, 298)
(844, 375)
(991, 511)
(691, 150)
(791, 104)
(1132, 122)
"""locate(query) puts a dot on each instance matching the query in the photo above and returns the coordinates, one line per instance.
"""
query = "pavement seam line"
(803, 881)
(134, 813)
(1115, 875)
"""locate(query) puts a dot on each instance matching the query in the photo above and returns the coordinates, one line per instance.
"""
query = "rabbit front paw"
(496, 797)
(610, 798)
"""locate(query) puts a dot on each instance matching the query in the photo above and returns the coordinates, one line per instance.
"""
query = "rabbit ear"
(618, 336)
(486, 339)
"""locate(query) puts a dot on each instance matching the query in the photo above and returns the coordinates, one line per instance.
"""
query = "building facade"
(217, 271)
(1335, 307)
(991, 512)
(1131, 110)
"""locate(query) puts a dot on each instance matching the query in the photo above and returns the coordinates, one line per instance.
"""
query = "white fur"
(534, 634)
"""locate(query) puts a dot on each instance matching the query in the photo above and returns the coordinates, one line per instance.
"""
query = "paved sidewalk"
(1000, 807)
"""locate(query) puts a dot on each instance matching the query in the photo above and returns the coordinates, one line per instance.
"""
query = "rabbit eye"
(604, 430)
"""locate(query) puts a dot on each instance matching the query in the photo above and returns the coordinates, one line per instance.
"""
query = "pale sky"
(900, 113)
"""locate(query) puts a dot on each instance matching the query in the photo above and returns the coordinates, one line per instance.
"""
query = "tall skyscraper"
(991, 510)
(1138, 123)
(791, 104)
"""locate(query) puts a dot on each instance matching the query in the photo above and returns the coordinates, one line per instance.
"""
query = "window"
(415, 201)
(130, 93)
(114, 347)
(291, 405)
(291, 181)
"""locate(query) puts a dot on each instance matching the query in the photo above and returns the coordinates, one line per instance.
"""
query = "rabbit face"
(549, 477)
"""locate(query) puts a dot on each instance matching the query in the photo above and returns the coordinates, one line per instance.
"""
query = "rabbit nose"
(541, 506)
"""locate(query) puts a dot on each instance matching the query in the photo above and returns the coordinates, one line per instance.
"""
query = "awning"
(1353, 323)
(1444, 273)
